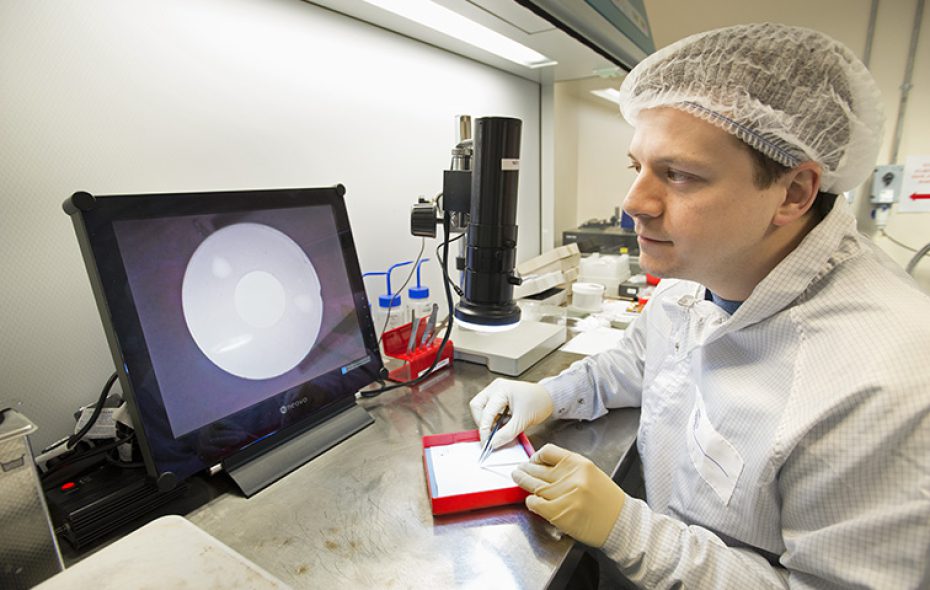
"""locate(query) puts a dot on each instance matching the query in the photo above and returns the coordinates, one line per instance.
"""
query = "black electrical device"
(237, 322)
(90, 506)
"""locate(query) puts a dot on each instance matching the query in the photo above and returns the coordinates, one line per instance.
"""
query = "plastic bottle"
(418, 296)
(390, 311)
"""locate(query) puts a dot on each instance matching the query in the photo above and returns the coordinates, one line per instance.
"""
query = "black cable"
(458, 289)
(108, 446)
(78, 459)
(93, 419)
(446, 225)
(54, 445)
(125, 465)
(75, 438)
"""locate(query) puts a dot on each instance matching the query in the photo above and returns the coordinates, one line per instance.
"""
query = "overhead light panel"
(611, 94)
(453, 24)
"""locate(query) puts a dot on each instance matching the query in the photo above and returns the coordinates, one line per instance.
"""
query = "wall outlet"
(886, 184)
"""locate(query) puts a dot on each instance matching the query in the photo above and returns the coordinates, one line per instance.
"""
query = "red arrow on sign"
(916, 196)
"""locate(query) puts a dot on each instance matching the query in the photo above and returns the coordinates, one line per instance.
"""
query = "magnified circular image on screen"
(251, 300)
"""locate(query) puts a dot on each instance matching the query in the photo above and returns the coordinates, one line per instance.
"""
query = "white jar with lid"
(587, 297)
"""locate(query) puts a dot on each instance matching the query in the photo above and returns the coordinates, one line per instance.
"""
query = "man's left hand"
(571, 492)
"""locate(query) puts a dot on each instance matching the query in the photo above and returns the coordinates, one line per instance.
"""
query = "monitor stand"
(256, 472)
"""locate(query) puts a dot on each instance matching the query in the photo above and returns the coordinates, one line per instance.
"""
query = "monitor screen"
(235, 318)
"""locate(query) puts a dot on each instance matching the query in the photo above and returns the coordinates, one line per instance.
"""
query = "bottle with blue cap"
(418, 295)
(390, 311)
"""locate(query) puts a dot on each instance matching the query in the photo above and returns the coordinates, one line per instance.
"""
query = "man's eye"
(676, 176)
(634, 166)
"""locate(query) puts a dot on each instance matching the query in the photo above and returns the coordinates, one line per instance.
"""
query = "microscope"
(479, 203)
(479, 197)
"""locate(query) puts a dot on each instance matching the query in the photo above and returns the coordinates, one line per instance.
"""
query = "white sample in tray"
(455, 468)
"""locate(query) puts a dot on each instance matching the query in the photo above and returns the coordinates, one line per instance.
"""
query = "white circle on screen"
(260, 299)
(251, 300)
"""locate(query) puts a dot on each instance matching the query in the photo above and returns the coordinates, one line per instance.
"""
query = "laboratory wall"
(139, 96)
(565, 158)
(579, 199)
(591, 163)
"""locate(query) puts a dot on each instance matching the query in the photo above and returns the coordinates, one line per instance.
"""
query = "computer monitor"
(238, 323)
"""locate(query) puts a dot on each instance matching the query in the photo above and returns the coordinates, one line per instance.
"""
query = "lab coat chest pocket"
(714, 458)
(665, 385)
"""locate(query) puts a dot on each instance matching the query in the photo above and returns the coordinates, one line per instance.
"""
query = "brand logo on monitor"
(294, 404)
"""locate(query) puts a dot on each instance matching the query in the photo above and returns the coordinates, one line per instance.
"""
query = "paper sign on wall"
(915, 188)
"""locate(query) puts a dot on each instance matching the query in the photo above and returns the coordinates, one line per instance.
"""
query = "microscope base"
(511, 352)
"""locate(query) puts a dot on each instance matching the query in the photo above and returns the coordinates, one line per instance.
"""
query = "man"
(781, 366)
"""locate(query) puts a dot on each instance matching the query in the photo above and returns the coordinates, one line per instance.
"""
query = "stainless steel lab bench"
(359, 515)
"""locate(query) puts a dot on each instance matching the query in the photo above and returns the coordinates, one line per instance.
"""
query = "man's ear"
(801, 185)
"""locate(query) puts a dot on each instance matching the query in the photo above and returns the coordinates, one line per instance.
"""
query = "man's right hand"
(529, 404)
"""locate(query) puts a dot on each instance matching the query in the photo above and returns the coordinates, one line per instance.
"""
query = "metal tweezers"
(499, 421)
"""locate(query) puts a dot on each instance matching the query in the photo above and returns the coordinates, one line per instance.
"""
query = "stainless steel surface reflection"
(359, 515)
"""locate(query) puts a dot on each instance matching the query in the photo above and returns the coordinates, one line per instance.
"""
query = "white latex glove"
(529, 404)
(571, 492)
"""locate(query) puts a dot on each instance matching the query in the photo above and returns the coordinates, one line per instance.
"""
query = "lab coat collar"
(831, 242)
(828, 244)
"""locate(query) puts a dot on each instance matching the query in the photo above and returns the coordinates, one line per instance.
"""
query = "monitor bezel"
(94, 217)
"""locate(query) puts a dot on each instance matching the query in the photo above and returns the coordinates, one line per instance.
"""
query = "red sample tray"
(463, 502)
(421, 358)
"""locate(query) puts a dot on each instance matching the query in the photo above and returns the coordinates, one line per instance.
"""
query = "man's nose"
(644, 198)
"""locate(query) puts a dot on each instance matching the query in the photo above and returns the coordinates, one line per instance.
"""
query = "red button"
(67, 486)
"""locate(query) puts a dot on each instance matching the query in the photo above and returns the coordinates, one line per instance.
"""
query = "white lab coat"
(785, 446)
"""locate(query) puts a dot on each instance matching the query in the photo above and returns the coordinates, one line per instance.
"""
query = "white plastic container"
(608, 270)
(587, 297)
(422, 307)
(418, 295)
(389, 313)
